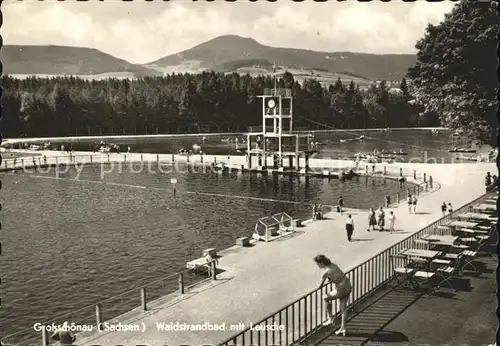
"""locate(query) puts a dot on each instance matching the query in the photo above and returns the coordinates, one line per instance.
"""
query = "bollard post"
(373, 169)
(173, 158)
(144, 303)
(124, 157)
(397, 197)
(187, 158)
(415, 174)
(400, 172)
(430, 181)
(142, 158)
(157, 158)
(366, 169)
(181, 284)
(426, 186)
(214, 271)
(425, 177)
(22, 162)
(215, 160)
(98, 316)
(201, 158)
(108, 158)
(45, 337)
(385, 170)
(90, 158)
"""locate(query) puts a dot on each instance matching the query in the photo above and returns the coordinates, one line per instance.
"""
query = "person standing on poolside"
(342, 288)
(349, 227)
(450, 208)
(340, 204)
(414, 203)
(372, 220)
(392, 219)
(487, 179)
(410, 202)
(381, 219)
(443, 208)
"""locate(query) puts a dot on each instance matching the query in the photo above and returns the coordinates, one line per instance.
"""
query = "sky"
(141, 32)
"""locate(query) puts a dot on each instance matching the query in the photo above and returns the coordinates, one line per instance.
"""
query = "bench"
(197, 264)
(243, 241)
(211, 251)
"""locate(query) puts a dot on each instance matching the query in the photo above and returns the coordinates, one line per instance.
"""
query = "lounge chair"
(447, 274)
(424, 276)
(469, 257)
(401, 269)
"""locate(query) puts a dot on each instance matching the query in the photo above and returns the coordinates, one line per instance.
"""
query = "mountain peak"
(233, 38)
(235, 41)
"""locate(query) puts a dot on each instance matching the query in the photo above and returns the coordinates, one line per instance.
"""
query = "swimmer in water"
(341, 290)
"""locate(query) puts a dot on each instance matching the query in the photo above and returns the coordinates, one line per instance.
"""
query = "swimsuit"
(342, 288)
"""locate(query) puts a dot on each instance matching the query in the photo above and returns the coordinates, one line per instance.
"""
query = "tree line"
(186, 103)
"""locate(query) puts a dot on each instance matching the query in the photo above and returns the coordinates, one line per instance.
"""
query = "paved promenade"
(261, 279)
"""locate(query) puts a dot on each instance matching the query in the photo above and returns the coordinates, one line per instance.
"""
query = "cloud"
(142, 32)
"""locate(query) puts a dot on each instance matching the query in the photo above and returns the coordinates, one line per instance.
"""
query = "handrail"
(373, 273)
(135, 290)
(62, 316)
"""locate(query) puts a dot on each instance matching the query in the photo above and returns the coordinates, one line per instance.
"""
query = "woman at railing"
(341, 290)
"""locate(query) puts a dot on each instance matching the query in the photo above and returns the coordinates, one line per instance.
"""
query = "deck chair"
(444, 230)
(439, 262)
(424, 276)
(483, 240)
(447, 274)
(401, 269)
(460, 247)
(421, 244)
(468, 257)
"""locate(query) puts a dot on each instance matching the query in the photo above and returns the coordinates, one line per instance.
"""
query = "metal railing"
(300, 319)
(120, 307)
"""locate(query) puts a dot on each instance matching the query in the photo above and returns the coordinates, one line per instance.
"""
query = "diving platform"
(276, 137)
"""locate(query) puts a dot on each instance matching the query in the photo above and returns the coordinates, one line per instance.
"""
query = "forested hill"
(61, 60)
(229, 52)
(186, 103)
(226, 54)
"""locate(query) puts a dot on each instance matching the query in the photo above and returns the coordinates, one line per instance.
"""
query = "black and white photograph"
(247, 173)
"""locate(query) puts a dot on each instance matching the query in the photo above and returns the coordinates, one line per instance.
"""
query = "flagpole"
(274, 73)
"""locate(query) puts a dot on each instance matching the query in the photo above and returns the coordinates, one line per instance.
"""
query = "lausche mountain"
(231, 53)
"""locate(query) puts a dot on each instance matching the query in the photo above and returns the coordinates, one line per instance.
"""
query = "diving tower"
(275, 139)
